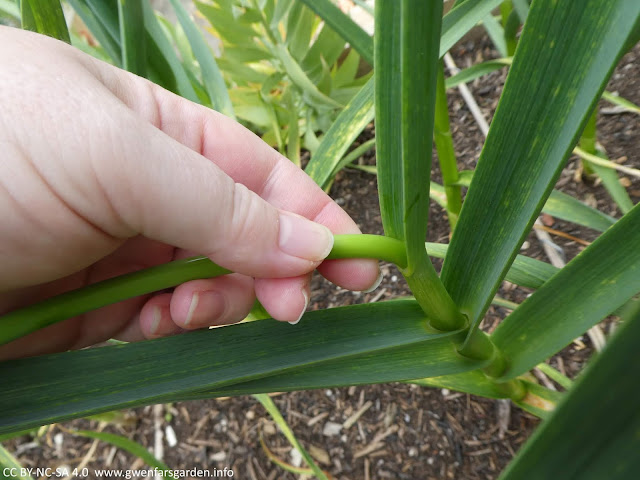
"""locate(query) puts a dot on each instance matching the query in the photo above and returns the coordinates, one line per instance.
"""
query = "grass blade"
(358, 113)
(530, 138)
(157, 36)
(476, 71)
(593, 434)
(496, 33)
(463, 18)
(8, 463)
(621, 102)
(272, 410)
(97, 29)
(45, 17)
(125, 444)
(133, 36)
(211, 75)
(355, 344)
(594, 284)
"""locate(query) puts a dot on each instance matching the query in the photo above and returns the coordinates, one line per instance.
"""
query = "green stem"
(446, 152)
(21, 322)
(588, 141)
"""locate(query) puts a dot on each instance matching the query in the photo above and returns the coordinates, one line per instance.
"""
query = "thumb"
(168, 192)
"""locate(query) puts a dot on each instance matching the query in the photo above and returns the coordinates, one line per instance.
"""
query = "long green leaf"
(133, 37)
(565, 55)
(98, 30)
(595, 432)
(342, 24)
(157, 37)
(10, 467)
(594, 284)
(358, 113)
(284, 427)
(463, 18)
(565, 207)
(211, 75)
(357, 344)
(9, 7)
(476, 71)
(125, 444)
(525, 271)
(45, 17)
(621, 102)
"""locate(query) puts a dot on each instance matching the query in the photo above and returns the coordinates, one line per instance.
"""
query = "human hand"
(104, 173)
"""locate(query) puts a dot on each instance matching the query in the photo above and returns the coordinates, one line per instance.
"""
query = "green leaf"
(328, 46)
(125, 444)
(300, 79)
(45, 17)
(346, 73)
(10, 8)
(347, 28)
(167, 51)
(463, 18)
(621, 102)
(593, 285)
(594, 432)
(133, 36)
(345, 129)
(9, 462)
(496, 33)
(525, 271)
(211, 75)
(522, 9)
(478, 70)
(284, 427)
(106, 12)
(565, 55)
(565, 207)
(612, 183)
(300, 23)
(98, 30)
(382, 342)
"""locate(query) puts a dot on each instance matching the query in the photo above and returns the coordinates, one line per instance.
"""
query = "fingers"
(223, 183)
(197, 304)
(284, 298)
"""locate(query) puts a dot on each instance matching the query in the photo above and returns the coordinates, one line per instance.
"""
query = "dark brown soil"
(407, 432)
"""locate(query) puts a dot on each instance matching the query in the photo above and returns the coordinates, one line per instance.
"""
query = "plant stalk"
(23, 321)
(446, 152)
(588, 141)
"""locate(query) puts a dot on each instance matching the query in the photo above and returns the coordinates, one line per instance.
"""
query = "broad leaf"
(45, 17)
(133, 36)
(594, 433)
(344, 130)
(382, 342)
(565, 55)
(594, 284)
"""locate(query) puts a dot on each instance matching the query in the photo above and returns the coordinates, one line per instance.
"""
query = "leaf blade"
(529, 141)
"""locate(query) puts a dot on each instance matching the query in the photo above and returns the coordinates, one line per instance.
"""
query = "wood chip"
(348, 423)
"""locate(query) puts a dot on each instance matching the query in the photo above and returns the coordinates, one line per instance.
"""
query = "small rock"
(218, 457)
(296, 457)
(331, 429)
(170, 435)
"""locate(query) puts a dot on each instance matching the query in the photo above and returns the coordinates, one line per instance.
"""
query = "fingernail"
(303, 238)
(376, 283)
(210, 303)
(195, 298)
(304, 309)
(155, 322)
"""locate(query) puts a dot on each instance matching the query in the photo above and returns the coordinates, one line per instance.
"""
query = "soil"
(407, 432)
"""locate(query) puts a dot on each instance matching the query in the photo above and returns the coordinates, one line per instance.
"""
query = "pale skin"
(105, 173)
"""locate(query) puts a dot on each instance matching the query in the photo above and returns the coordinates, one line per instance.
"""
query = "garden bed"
(406, 431)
